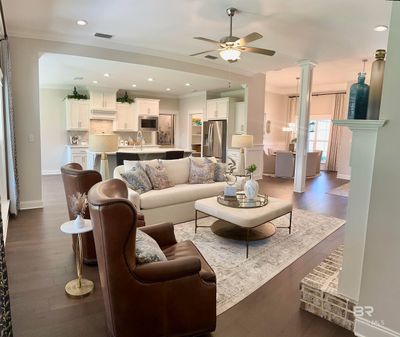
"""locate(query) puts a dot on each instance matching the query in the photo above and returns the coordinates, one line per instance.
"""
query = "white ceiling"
(59, 71)
(320, 30)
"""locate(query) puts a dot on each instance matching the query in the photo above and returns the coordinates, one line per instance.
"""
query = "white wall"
(276, 111)
(188, 105)
(52, 125)
(380, 287)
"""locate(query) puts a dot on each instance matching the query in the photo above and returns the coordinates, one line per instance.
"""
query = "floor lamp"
(103, 143)
(242, 142)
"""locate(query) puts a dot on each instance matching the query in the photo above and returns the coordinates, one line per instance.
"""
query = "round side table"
(79, 287)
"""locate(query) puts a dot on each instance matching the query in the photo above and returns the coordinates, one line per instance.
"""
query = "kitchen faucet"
(139, 136)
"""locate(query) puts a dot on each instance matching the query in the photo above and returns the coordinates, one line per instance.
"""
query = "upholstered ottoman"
(246, 224)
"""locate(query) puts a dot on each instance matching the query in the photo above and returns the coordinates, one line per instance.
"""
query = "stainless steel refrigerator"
(214, 139)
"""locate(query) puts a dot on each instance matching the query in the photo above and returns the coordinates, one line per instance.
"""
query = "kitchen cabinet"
(240, 118)
(77, 115)
(147, 107)
(126, 118)
(103, 100)
(77, 154)
(220, 108)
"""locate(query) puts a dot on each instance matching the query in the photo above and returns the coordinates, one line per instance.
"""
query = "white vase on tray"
(251, 188)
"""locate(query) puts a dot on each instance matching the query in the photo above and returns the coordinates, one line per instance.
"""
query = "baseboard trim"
(50, 172)
(31, 204)
(343, 176)
(365, 328)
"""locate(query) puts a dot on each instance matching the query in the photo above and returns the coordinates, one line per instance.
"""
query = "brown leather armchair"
(170, 298)
(75, 180)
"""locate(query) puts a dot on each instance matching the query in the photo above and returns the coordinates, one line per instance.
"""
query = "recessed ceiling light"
(150, 79)
(381, 28)
(188, 84)
(168, 89)
(81, 22)
(95, 82)
(134, 85)
(106, 75)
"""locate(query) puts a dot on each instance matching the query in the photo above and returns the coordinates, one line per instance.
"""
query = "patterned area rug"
(238, 277)
(342, 190)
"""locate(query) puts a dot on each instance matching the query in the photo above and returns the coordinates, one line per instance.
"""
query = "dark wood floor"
(40, 262)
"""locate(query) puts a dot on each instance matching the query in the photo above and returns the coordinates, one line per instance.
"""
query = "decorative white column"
(362, 166)
(307, 67)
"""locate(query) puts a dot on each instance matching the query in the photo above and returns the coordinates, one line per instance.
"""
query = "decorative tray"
(241, 201)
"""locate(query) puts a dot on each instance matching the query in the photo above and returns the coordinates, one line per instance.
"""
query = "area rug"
(238, 277)
(342, 190)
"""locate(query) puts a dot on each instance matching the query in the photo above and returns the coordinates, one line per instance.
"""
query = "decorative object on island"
(125, 99)
(251, 186)
(358, 101)
(376, 84)
(78, 205)
(242, 142)
(77, 95)
(103, 143)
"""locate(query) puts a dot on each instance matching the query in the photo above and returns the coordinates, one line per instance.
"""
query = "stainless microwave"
(148, 123)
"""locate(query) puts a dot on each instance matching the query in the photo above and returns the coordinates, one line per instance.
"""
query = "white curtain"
(11, 153)
(338, 113)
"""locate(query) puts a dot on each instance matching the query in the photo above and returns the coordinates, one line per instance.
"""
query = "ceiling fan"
(230, 47)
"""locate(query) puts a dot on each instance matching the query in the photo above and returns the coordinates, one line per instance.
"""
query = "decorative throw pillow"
(137, 179)
(220, 170)
(201, 173)
(158, 176)
(147, 249)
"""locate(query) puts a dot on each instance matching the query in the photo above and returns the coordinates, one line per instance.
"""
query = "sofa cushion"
(179, 194)
(158, 176)
(128, 164)
(178, 170)
(220, 169)
(137, 179)
(201, 173)
(147, 249)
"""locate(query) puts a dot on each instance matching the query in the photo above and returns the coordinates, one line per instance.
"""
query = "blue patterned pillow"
(137, 179)
(147, 249)
(220, 170)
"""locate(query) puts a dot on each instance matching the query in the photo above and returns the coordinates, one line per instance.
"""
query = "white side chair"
(269, 164)
(313, 162)
(284, 165)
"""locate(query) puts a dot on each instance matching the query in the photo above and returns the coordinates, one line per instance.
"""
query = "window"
(318, 139)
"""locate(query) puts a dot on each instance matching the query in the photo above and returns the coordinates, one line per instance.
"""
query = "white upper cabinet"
(219, 108)
(127, 117)
(103, 99)
(77, 114)
(240, 117)
(147, 107)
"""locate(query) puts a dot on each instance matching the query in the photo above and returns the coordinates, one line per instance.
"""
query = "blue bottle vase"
(358, 100)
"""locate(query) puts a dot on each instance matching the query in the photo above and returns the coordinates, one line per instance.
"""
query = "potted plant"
(77, 95)
(125, 99)
(79, 204)
(251, 187)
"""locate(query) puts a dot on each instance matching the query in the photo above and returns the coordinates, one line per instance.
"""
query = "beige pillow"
(158, 176)
(201, 173)
(178, 170)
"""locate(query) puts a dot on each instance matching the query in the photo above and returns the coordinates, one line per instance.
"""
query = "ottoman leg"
(290, 223)
(195, 222)
(247, 243)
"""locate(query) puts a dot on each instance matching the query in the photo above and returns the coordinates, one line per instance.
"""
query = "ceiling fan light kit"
(231, 47)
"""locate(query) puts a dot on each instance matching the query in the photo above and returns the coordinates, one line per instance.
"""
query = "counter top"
(145, 151)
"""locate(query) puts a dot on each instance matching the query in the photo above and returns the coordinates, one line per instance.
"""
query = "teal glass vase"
(358, 99)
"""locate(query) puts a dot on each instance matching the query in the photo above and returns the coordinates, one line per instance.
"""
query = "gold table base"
(73, 289)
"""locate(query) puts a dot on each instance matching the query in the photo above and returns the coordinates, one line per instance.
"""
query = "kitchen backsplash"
(101, 126)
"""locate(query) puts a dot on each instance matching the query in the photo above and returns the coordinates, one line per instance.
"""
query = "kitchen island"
(131, 153)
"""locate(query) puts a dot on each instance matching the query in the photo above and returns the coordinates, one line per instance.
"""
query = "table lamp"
(242, 142)
(103, 143)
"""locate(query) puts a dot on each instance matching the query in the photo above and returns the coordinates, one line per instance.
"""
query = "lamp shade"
(103, 143)
(242, 141)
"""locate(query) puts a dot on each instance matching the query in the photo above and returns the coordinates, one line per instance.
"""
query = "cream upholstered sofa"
(175, 204)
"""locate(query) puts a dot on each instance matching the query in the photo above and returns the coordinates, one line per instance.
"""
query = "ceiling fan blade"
(203, 52)
(249, 38)
(207, 40)
(258, 50)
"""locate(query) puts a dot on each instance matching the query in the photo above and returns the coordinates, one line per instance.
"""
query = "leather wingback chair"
(176, 297)
(75, 180)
